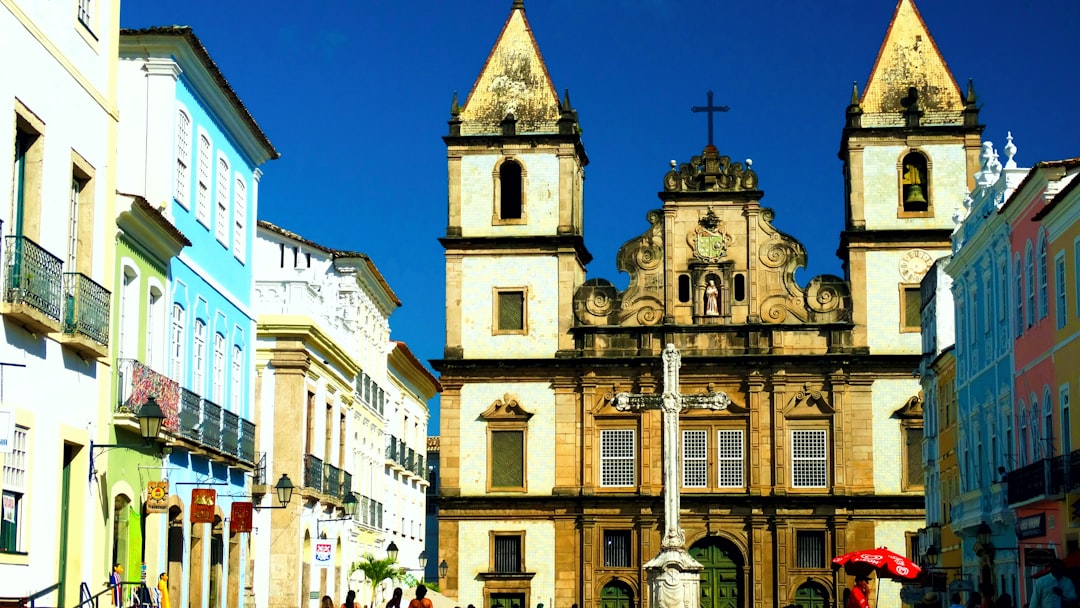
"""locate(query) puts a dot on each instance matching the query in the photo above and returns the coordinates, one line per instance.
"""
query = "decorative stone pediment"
(708, 241)
(711, 172)
(506, 408)
(912, 409)
(809, 403)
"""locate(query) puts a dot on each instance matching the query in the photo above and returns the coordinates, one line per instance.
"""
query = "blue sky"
(355, 94)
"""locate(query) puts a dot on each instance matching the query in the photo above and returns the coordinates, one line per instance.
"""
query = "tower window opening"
(510, 191)
(684, 288)
(914, 195)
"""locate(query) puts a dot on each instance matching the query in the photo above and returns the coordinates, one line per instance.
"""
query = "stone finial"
(455, 108)
(1010, 152)
(970, 98)
(518, 5)
(566, 107)
(854, 93)
(987, 174)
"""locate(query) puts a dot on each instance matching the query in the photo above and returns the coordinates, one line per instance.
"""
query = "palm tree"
(377, 570)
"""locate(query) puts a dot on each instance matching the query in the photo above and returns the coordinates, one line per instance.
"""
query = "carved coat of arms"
(708, 239)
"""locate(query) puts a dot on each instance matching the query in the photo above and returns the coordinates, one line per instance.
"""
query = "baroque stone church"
(548, 493)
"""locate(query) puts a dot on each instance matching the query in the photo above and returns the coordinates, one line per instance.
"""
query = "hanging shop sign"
(157, 497)
(203, 501)
(324, 554)
(1032, 526)
(240, 517)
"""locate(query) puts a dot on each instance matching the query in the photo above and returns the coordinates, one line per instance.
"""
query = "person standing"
(395, 601)
(859, 593)
(115, 583)
(163, 591)
(1054, 590)
(421, 600)
(350, 600)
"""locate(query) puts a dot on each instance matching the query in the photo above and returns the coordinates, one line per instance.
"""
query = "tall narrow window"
(240, 219)
(1061, 305)
(510, 199)
(202, 194)
(154, 330)
(695, 453)
(129, 305)
(617, 460)
(1066, 420)
(1003, 292)
(1024, 447)
(1029, 283)
(86, 14)
(182, 187)
(176, 348)
(1076, 275)
(915, 191)
(730, 459)
(221, 216)
(77, 185)
(14, 494)
(809, 549)
(1019, 270)
(218, 391)
(198, 358)
(1044, 269)
(510, 311)
(809, 464)
(1048, 425)
(617, 548)
(507, 461)
(507, 553)
(237, 381)
(910, 303)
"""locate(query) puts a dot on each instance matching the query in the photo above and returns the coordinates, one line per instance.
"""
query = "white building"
(58, 86)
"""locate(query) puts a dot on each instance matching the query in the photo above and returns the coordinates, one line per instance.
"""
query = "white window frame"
(809, 458)
(16, 481)
(730, 458)
(85, 14)
(155, 308)
(618, 458)
(1044, 269)
(73, 224)
(176, 366)
(695, 458)
(198, 358)
(237, 380)
(1029, 283)
(239, 218)
(218, 390)
(203, 183)
(1061, 297)
(1018, 265)
(1066, 419)
(221, 208)
(182, 185)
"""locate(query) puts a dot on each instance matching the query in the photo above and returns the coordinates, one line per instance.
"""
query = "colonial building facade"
(548, 494)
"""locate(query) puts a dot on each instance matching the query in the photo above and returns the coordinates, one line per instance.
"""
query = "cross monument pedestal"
(674, 576)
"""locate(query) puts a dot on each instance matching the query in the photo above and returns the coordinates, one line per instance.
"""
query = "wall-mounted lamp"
(443, 568)
(933, 555)
(349, 504)
(150, 418)
(392, 551)
(423, 559)
(284, 489)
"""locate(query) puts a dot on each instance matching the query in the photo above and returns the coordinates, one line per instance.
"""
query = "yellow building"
(550, 495)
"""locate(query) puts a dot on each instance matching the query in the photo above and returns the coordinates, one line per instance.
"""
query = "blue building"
(192, 149)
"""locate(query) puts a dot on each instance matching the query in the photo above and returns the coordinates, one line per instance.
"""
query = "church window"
(507, 460)
(910, 303)
(695, 448)
(1029, 284)
(617, 462)
(510, 311)
(684, 288)
(506, 552)
(809, 549)
(1044, 269)
(915, 187)
(617, 548)
(183, 158)
(740, 287)
(1061, 311)
(809, 459)
(202, 191)
(913, 461)
(730, 458)
(509, 193)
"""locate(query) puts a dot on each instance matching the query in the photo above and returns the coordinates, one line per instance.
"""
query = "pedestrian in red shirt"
(860, 593)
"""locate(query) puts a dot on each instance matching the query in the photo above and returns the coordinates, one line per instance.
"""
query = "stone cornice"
(520, 244)
(149, 228)
(305, 330)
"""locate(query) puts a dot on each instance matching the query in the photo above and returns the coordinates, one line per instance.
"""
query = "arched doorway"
(811, 595)
(616, 594)
(722, 576)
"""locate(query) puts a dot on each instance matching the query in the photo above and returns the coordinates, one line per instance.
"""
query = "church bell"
(914, 194)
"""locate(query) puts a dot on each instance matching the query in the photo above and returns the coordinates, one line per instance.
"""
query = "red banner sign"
(240, 518)
(203, 502)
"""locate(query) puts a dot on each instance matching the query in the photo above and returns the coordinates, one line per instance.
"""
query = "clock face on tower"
(914, 265)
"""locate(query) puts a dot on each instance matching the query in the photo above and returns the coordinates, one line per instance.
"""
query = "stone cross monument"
(674, 576)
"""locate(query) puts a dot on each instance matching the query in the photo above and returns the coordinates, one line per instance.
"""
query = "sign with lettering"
(157, 497)
(324, 554)
(1032, 526)
(240, 517)
(203, 501)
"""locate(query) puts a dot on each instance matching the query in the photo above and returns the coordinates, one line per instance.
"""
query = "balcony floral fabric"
(145, 382)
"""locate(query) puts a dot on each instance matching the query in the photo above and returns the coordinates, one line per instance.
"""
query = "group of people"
(1052, 590)
(141, 596)
(420, 601)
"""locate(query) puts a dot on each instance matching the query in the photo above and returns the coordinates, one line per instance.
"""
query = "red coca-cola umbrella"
(880, 561)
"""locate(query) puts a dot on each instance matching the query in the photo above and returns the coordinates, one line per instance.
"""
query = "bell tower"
(514, 244)
(910, 149)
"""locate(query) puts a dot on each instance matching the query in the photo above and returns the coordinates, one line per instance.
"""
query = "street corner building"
(550, 494)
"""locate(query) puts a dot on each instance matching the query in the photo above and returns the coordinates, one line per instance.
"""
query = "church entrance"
(507, 600)
(811, 595)
(722, 577)
(616, 594)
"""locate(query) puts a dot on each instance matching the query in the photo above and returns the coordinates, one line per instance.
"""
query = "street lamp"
(443, 568)
(423, 559)
(284, 489)
(933, 555)
(392, 551)
(150, 418)
(348, 504)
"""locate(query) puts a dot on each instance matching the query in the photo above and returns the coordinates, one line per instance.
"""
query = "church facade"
(548, 493)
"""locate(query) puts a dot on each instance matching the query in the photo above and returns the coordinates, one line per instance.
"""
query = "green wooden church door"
(721, 579)
(616, 595)
(811, 595)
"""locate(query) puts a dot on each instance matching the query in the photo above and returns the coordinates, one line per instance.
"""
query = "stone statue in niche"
(712, 294)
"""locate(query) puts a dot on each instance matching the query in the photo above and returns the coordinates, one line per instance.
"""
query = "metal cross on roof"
(711, 109)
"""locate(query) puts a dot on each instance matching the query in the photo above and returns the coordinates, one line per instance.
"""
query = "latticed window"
(507, 553)
(808, 459)
(1043, 271)
(730, 455)
(809, 549)
(1029, 282)
(1019, 298)
(617, 548)
(507, 459)
(221, 218)
(617, 448)
(237, 379)
(14, 493)
(218, 391)
(240, 219)
(1061, 311)
(177, 346)
(511, 311)
(202, 194)
(198, 372)
(183, 158)
(86, 14)
(695, 452)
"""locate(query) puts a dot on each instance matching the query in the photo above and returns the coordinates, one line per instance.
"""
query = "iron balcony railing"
(391, 449)
(313, 472)
(32, 276)
(346, 484)
(247, 440)
(190, 415)
(410, 459)
(1045, 477)
(331, 480)
(230, 433)
(419, 470)
(210, 429)
(401, 452)
(86, 308)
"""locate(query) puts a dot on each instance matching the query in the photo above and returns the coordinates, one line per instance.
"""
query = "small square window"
(617, 548)
(510, 311)
(809, 549)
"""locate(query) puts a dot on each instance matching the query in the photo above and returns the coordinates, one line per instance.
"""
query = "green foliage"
(377, 570)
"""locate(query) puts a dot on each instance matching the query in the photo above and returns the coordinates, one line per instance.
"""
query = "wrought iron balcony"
(410, 459)
(332, 480)
(33, 284)
(313, 472)
(391, 449)
(190, 415)
(346, 484)
(86, 315)
(210, 429)
(230, 433)
(1045, 477)
(247, 440)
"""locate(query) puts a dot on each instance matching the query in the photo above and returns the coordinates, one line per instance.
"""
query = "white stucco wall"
(948, 184)
(888, 396)
(540, 174)
(883, 301)
(893, 535)
(481, 275)
(535, 397)
(474, 540)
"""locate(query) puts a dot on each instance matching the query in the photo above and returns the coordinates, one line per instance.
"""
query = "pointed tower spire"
(455, 109)
(854, 93)
(970, 99)
(908, 59)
